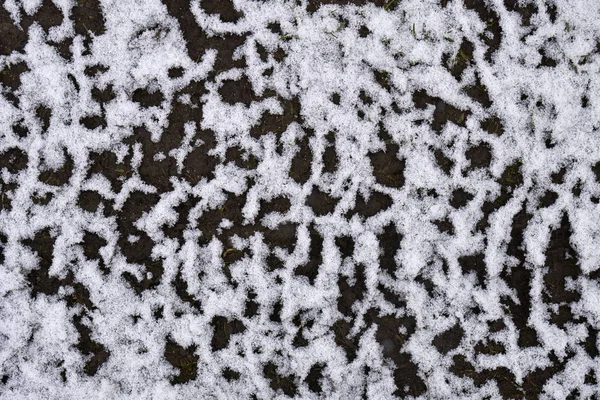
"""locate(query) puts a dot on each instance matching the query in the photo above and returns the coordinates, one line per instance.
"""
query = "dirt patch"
(184, 359)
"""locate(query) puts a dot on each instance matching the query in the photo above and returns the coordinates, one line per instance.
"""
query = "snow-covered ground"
(272, 199)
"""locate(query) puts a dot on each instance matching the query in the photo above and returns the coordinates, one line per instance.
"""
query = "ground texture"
(312, 199)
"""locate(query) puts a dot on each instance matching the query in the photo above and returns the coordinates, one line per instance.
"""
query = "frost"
(299, 199)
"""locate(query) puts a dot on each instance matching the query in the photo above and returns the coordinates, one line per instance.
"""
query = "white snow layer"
(550, 117)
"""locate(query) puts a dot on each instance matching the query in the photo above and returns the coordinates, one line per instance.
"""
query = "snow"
(546, 127)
